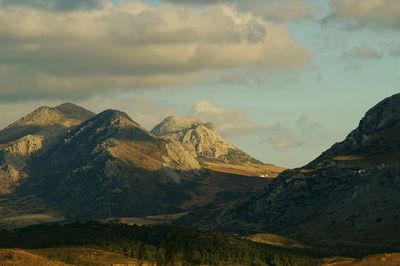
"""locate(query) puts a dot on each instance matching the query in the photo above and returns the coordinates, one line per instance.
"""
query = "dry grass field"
(391, 259)
(66, 256)
(275, 240)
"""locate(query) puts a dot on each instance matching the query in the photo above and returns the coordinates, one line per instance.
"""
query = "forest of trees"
(166, 245)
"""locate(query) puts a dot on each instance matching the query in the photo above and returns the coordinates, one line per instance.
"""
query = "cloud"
(276, 10)
(306, 125)
(59, 5)
(394, 52)
(361, 52)
(367, 12)
(228, 122)
(283, 138)
(133, 46)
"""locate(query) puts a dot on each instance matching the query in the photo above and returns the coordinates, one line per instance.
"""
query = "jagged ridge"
(201, 139)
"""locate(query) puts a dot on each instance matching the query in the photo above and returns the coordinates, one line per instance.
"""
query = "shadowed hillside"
(348, 197)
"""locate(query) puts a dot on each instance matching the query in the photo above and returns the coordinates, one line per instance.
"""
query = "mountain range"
(66, 162)
(347, 197)
(84, 165)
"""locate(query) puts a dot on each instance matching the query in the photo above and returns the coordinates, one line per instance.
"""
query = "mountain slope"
(349, 196)
(108, 166)
(375, 141)
(37, 131)
(111, 166)
(212, 150)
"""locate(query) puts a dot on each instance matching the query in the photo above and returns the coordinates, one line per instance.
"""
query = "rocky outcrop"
(201, 139)
(24, 146)
(178, 157)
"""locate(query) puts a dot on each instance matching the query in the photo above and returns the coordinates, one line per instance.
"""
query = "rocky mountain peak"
(173, 124)
(66, 115)
(115, 118)
(374, 141)
(34, 133)
(107, 125)
(201, 139)
(74, 111)
(385, 114)
(42, 116)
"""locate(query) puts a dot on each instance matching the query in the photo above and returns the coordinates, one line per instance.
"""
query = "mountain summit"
(37, 131)
(73, 111)
(202, 140)
(64, 115)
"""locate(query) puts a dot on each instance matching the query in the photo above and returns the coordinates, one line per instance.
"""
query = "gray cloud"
(394, 52)
(277, 10)
(59, 5)
(133, 46)
(283, 138)
(306, 125)
(361, 52)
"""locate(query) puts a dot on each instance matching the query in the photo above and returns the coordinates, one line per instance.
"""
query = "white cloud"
(45, 53)
(228, 122)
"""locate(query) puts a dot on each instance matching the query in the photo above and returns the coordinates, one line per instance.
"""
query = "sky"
(281, 79)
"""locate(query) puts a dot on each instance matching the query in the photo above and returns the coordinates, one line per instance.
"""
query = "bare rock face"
(24, 146)
(33, 133)
(201, 139)
(14, 156)
(178, 157)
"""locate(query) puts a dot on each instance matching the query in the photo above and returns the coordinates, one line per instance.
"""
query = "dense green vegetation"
(162, 244)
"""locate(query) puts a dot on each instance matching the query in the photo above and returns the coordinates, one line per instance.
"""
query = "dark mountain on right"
(375, 141)
(347, 197)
